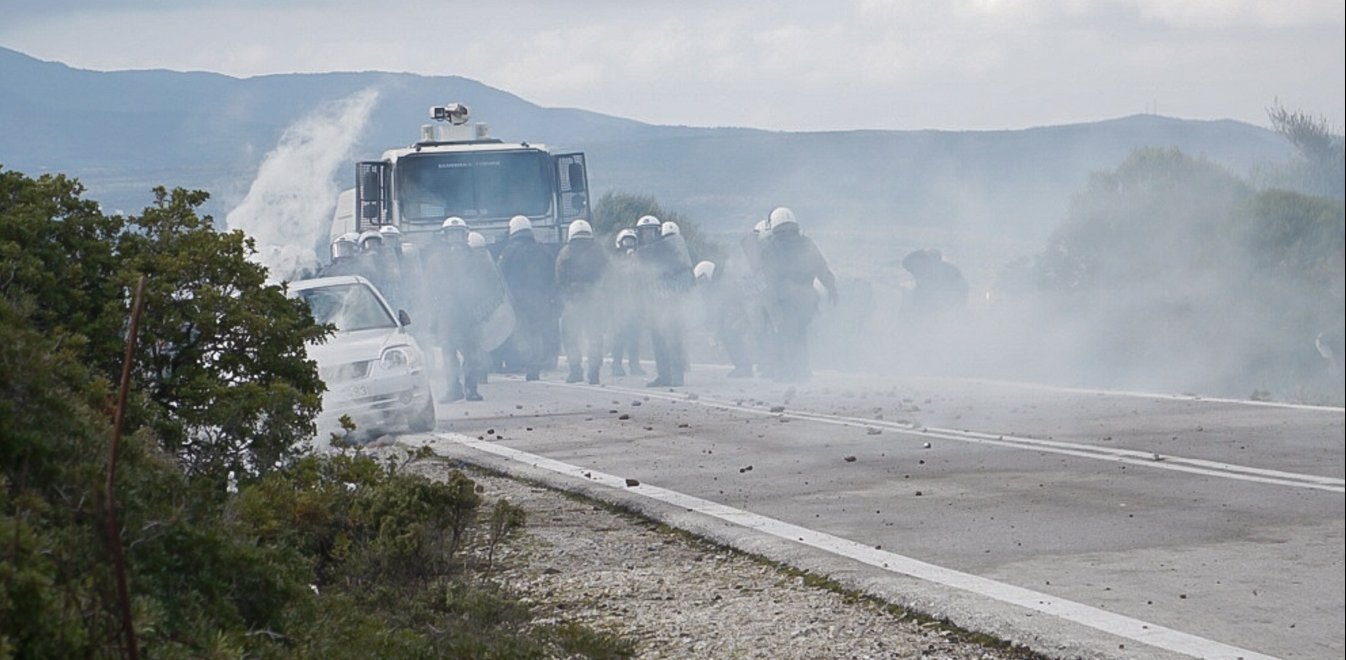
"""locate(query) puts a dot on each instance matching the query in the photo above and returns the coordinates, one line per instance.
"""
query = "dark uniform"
(626, 311)
(752, 274)
(940, 286)
(580, 267)
(724, 297)
(668, 271)
(530, 274)
(462, 281)
(790, 263)
(383, 269)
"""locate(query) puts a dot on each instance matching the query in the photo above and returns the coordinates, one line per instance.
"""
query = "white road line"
(1194, 398)
(1127, 456)
(1122, 626)
(1177, 397)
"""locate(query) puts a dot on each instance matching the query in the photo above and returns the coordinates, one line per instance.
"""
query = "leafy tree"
(1181, 274)
(1293, 251)
(227, 371)
(315, 556)
(1160, 215)
(223, 375)
(617, 211)
(1295, 236)
(65, 298)
(1321, 169)
(60, 265)
(52, 440)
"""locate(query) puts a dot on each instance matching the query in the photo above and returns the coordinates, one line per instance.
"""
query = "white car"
(374, 370)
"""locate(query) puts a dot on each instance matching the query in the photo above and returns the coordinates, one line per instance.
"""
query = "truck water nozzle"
(454, 113)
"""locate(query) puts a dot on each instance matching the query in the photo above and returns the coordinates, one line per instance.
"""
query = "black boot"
(453, 393)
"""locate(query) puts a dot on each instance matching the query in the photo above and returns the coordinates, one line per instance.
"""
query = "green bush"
(237, 542)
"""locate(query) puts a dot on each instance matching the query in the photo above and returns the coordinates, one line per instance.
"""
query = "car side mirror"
(403, 317)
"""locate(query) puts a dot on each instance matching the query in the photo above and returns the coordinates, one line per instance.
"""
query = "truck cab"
(455, 169)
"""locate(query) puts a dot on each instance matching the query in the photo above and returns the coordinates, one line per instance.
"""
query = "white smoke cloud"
(288, 208)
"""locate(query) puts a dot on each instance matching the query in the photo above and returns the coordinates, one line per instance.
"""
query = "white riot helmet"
(370, 240)
(760, 228)
(519, 223)
(454, 229)
(669, 228)
(647, 229)
(780, 217)
(390, 234)
(623, 235)
(580, 229)
(704, 270)
(345, 246)
(475, 239)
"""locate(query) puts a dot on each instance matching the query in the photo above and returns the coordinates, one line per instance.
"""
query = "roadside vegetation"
(237, 540)
(1170, 264)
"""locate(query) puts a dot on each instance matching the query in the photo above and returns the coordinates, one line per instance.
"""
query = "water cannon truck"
(456, 169)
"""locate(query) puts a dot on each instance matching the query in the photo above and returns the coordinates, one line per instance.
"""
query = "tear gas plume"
(288, 208)
(1168, 274)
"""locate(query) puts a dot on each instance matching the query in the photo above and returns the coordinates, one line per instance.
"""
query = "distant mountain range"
(122, 132)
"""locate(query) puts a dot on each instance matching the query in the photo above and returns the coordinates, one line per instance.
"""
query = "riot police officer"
(668, 271)
(529, 271)
(345, 250)
(580, 267)
(791, 262)
(627, 309)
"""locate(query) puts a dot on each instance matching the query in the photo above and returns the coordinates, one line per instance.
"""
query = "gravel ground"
(678, 596)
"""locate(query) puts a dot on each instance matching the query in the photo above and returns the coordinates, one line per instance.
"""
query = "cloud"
(791, 65)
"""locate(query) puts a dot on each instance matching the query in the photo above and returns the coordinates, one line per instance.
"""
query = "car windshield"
(349, 307)
(478, 186)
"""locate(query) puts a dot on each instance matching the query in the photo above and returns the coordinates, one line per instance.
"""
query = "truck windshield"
(480, 186)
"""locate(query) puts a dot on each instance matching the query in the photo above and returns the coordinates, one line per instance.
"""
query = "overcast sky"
(952, 64)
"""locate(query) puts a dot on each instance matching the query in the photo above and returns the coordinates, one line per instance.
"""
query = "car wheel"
(424, 421)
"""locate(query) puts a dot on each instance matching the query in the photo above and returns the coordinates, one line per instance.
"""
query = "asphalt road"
(1082, 523)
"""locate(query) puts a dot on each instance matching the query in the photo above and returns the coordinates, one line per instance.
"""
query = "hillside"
(122, 132)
